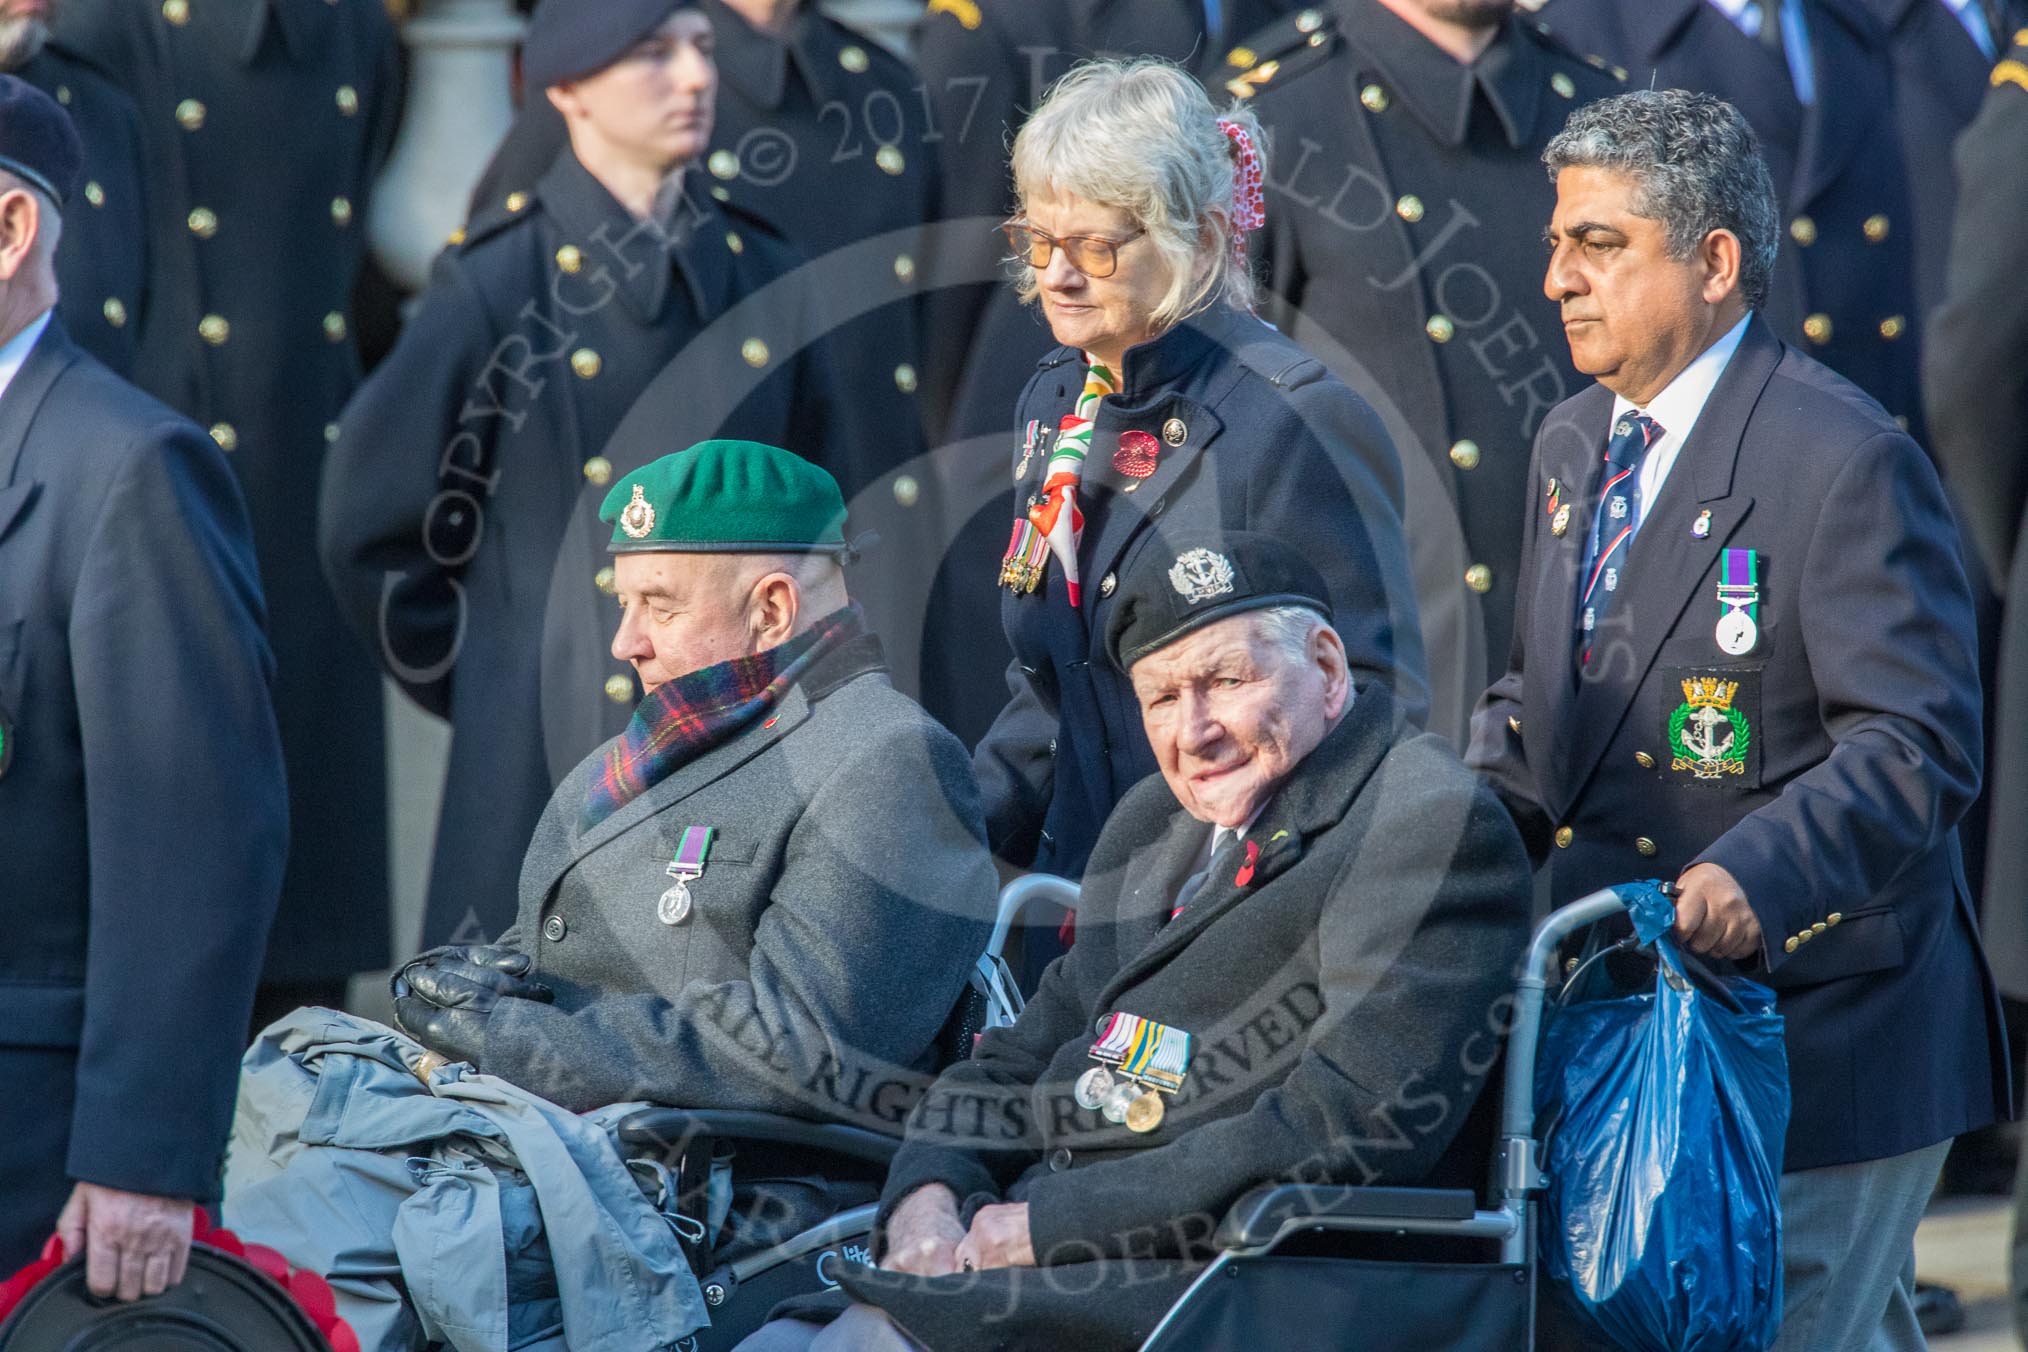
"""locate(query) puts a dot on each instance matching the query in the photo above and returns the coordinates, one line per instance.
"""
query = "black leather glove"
(443, 998)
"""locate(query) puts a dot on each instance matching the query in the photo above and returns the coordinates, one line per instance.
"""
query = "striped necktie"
(1615, 518)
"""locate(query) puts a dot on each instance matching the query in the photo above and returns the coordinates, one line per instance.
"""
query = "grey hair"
(1697, 166)
(1141, 136)
(1290, 629)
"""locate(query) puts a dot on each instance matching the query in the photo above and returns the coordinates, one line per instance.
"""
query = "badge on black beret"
(1174, 587)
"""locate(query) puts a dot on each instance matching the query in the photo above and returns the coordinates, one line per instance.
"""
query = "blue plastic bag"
(1662, 1222)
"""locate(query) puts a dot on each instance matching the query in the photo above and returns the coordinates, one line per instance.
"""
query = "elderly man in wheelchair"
(765, 897)
(1290, 950)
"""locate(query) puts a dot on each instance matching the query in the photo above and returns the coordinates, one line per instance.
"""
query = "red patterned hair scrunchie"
(1249, 209)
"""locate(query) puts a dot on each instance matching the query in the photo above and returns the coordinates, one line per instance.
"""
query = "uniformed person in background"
(450, 494)
(102, 261)
(1407, 141)
(263, 126)
(1816, 80)
(823, 135)
(984, 65)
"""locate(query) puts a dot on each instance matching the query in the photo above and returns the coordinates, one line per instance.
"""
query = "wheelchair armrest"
(664, 1127)
(1259, 1218)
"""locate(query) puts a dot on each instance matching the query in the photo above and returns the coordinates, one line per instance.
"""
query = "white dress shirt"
(1676, 409)
(15, 350)
(1747, 16)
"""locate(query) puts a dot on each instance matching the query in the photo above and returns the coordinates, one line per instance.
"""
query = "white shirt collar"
(1682, 400)
(16, 349)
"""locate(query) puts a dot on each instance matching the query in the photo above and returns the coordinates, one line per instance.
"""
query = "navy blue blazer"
(143, 814)
(1860, 746)
(1256, 436)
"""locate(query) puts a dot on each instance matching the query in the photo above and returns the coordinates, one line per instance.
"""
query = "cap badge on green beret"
(1200, 574)
(637, 518)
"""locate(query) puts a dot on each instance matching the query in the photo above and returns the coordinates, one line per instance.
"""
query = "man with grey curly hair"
(1745, 661)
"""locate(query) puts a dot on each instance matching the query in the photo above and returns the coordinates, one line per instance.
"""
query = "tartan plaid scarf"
(690, 715)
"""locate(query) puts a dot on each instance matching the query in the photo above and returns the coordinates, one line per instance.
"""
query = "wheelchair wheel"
(224, 1304)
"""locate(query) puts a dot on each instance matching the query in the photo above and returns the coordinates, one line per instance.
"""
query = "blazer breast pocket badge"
(1714, 734)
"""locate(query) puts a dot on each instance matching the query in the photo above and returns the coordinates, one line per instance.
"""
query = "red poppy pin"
(1135, 457)
(1245, 875)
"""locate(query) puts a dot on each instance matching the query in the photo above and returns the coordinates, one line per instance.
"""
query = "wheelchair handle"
(1016, 896)
(1517, 1100)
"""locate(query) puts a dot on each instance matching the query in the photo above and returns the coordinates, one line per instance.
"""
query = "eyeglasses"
(1092, 255)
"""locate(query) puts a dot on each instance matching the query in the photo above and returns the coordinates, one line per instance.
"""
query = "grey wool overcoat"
(845, 897)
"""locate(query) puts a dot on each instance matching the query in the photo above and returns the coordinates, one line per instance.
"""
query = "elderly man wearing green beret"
(767, 893)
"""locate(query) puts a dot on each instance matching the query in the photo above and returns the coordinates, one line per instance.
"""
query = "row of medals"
(1119, 1098)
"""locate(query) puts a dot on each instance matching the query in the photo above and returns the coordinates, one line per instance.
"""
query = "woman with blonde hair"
(1169, 408)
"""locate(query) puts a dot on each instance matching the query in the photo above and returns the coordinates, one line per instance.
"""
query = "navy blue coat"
(143, 816)
(1861, 708)
(1270, 442)
(1844, 285)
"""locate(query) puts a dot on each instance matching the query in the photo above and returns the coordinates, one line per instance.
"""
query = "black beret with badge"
(571, 39)
(38, 144)
(1176, 586)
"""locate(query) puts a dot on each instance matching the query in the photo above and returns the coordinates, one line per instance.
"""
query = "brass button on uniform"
(1834, 917)
(719, 194)
(1819, 927)
(347, 99)
(177, 12)
(1875, 229)
(63, 95)
(1803, 231)
(904, 269)
(1465, 453)
(1817, 328)
(203, 222)
(553, 929)
(517, 201)
(723, 164)
(95, 194)
(889, 158)
(734, 242)
(116, 313)
(1175, 432)
(214, 330)
(586, 363)
(226, 435)
(190, 114)
(1439, 328)
(619, 689)
(334, 327)
(904, 378)
(1409, 207)
(1107, 584)
(907, 491)
(1893, 327)
(456, 237)
(754, 352)
(330, 434)
(1373, 98)
(1564, 835)
(341, 212)
(853, 59)
(1643, 845)
(599, 470)
(1563, 85)
(603, 579)
(1644, 760)
(1479, 578)
(1790, 946)
(1309, 21)
(570, 258)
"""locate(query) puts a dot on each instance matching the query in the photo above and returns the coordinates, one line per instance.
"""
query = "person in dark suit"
(1168, 400)
(1816, 80)
(1306, 918)
(140, 772)
(459, 517)
(264, 125)
(102, 260)
(1977, 384)
(824, 136)
(1744, 660)
(1407, 136)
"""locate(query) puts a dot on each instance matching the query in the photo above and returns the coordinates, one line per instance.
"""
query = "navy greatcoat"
(459, 523)
(1405, 199)
(1857, 735)
(1255, 435)
(1845, 282)
(263, 124)
(143, 817)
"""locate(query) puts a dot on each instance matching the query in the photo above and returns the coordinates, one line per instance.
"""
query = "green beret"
(727, 497)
